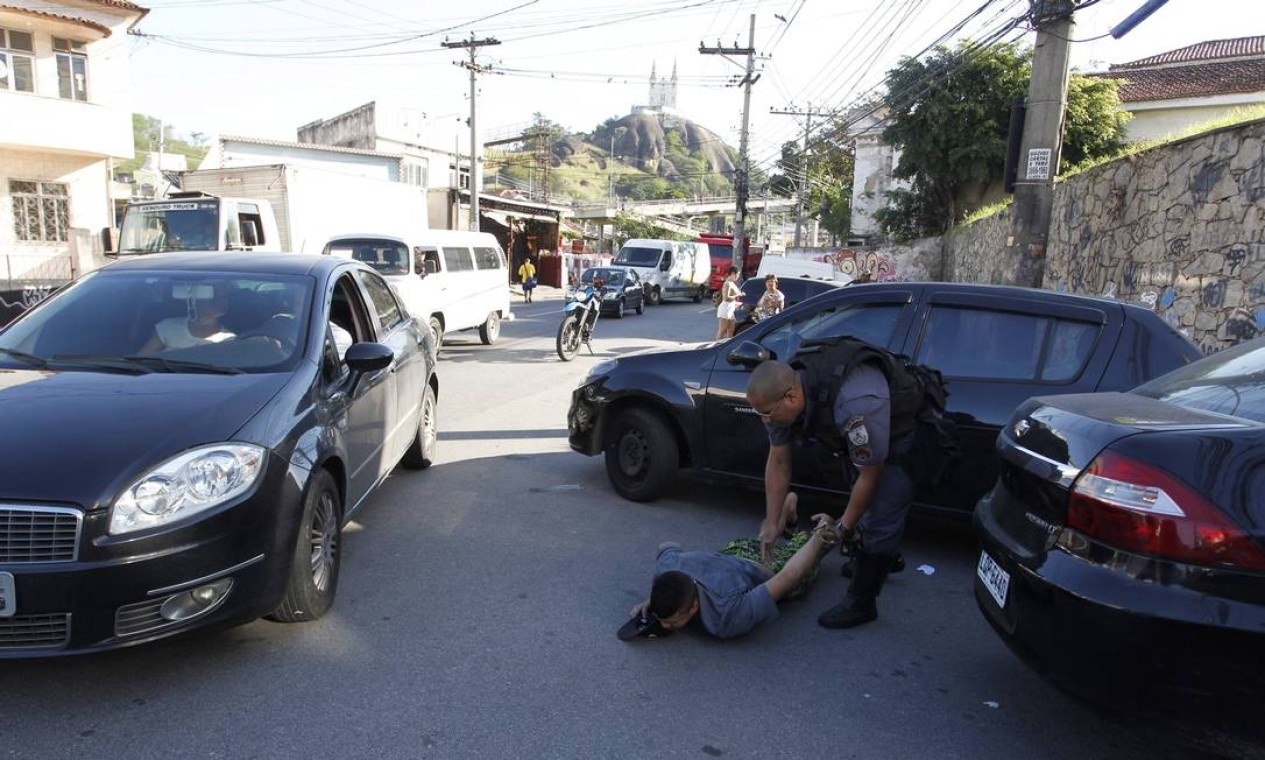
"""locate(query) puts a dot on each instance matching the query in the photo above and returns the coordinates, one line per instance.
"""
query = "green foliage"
(1094, 124)
(145, 139)
(628, 227)
(829, 176)
(949, 116)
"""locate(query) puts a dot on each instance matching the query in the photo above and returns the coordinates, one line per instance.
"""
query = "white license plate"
(8, 595)
(996, 580)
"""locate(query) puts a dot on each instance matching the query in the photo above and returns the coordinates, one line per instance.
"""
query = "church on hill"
(662, 95)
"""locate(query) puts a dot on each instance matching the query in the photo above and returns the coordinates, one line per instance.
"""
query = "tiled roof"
(104, 30)
(1212, 50)
(1190, 81)
(124, 4)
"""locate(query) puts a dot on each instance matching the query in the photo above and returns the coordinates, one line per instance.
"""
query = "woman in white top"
(201, 324)
(729, 295)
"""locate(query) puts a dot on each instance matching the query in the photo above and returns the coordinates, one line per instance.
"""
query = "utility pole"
(1042, 141)
(473, 46)
(743, 178)
(803, 183)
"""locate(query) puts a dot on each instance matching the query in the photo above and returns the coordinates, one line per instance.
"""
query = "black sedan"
(188, 435)
(1124, 543)
(655, 412)
(621, 289)
(794, 290)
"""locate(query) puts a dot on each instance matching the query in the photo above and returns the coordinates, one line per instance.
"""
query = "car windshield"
(611, 277)
(388, 257)
(175, 226)
(165, 321)
(638, 257)
(1229, 382)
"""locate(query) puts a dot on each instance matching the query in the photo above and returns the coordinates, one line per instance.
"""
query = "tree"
(828, 195)
(949, 115)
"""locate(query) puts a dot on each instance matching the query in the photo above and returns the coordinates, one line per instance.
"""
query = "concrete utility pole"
(743, 178)
(1042, 141)
(475, 179)
(803, 183)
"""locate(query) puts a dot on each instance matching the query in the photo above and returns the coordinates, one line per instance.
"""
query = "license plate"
(996, 580)
(8, 595)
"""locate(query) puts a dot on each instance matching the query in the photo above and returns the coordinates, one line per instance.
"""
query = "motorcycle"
(580, 317)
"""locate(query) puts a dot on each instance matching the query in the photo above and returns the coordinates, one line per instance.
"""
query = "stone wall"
(1180, 228)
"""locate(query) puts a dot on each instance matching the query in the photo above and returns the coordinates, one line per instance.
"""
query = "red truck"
(721, 248)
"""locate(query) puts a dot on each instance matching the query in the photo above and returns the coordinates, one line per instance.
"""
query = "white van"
(668, 268)
(454, 279)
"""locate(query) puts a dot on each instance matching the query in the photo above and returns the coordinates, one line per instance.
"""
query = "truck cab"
(196, 221)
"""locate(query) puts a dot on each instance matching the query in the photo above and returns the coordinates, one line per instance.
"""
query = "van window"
(489, 258)
(458, 259)
(422, 254)
(385, 256)
(638, 257)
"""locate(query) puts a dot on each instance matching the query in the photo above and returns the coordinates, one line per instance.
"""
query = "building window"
(413, 174)
(72, 69)
(17, 61)
(41, 210)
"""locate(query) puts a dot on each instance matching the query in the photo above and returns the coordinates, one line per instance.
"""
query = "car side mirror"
(363, 358)
(749, 354)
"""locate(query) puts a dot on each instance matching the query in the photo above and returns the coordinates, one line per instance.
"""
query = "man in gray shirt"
(859, 427)
(728, 595)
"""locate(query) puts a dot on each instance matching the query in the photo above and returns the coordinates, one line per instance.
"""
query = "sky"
(265, 67)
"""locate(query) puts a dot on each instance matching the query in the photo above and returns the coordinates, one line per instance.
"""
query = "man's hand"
(851, 542)
(768, 537)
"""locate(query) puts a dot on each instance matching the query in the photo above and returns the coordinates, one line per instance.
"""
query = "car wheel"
(437, 332)
(313, 572)
(641, 305)
(641, 455)
(655, 297)
(490, 330)
(421, 452)
(620, 308)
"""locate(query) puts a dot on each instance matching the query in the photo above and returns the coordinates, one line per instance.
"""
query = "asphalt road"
(477, 611)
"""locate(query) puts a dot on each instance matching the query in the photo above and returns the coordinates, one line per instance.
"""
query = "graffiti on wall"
(864, 266)
(14, 302)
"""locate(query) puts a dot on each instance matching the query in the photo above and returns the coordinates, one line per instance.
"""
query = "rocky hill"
(647, 139)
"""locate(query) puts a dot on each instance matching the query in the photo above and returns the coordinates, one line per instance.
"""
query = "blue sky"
(264, 67)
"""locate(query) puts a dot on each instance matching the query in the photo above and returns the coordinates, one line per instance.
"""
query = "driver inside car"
(205, 303)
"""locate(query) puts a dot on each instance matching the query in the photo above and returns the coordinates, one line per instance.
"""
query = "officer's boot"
(860, 606)
(898, 564)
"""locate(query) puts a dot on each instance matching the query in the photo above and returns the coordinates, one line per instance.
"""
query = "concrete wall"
(1180, 228)
(915, 261)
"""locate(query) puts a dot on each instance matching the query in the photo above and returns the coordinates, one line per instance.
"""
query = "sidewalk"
(541, 293)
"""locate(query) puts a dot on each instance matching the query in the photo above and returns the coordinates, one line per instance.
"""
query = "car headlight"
(184, 485)
(603, 367)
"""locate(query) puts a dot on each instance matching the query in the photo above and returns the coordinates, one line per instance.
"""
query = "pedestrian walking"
(729, 294)
(527, 276)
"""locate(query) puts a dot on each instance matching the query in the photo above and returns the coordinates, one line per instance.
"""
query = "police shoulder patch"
(857, 434)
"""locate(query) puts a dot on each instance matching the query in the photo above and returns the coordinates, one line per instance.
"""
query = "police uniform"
(862, 414)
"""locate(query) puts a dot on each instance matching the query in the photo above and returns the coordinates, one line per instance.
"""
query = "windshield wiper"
(143, 364)
(32, 359)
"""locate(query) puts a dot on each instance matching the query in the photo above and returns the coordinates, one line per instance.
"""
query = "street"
(477, 610)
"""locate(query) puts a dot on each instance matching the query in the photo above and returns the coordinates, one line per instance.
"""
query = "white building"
(1177, 89)
(873, 167)
(64, 96)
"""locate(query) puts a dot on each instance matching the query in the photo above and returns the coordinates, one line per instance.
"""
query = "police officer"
(860, 421)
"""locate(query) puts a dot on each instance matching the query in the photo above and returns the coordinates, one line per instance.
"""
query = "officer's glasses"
(767, 414)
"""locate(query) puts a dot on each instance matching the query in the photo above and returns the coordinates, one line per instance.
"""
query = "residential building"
(64, 88)
(1170, 91)
(873, 167)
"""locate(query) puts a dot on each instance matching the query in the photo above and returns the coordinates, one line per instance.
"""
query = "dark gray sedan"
(196, 430)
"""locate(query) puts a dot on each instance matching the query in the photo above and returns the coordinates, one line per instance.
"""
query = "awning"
(503, 217)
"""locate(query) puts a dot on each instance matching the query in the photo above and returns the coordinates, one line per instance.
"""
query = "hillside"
(654, 157)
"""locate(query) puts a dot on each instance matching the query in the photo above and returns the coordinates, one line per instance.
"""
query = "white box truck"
(278, 207)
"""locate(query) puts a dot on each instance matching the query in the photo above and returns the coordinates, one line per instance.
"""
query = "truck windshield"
(638, 257)
(175, 226)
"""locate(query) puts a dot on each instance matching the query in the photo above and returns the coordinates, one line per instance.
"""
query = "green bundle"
(749, 548)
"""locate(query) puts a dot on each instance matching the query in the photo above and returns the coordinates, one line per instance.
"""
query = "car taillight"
(1140, 508)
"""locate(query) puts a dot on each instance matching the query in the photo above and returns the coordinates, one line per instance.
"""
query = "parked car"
(622, 289)
(654, 412)
(189, 434)
(793, 289)
(1124, 542)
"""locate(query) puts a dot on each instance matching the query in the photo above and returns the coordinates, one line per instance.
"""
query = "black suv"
(654, 412)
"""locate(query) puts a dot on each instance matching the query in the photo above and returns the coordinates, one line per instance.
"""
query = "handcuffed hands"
(851, 541)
